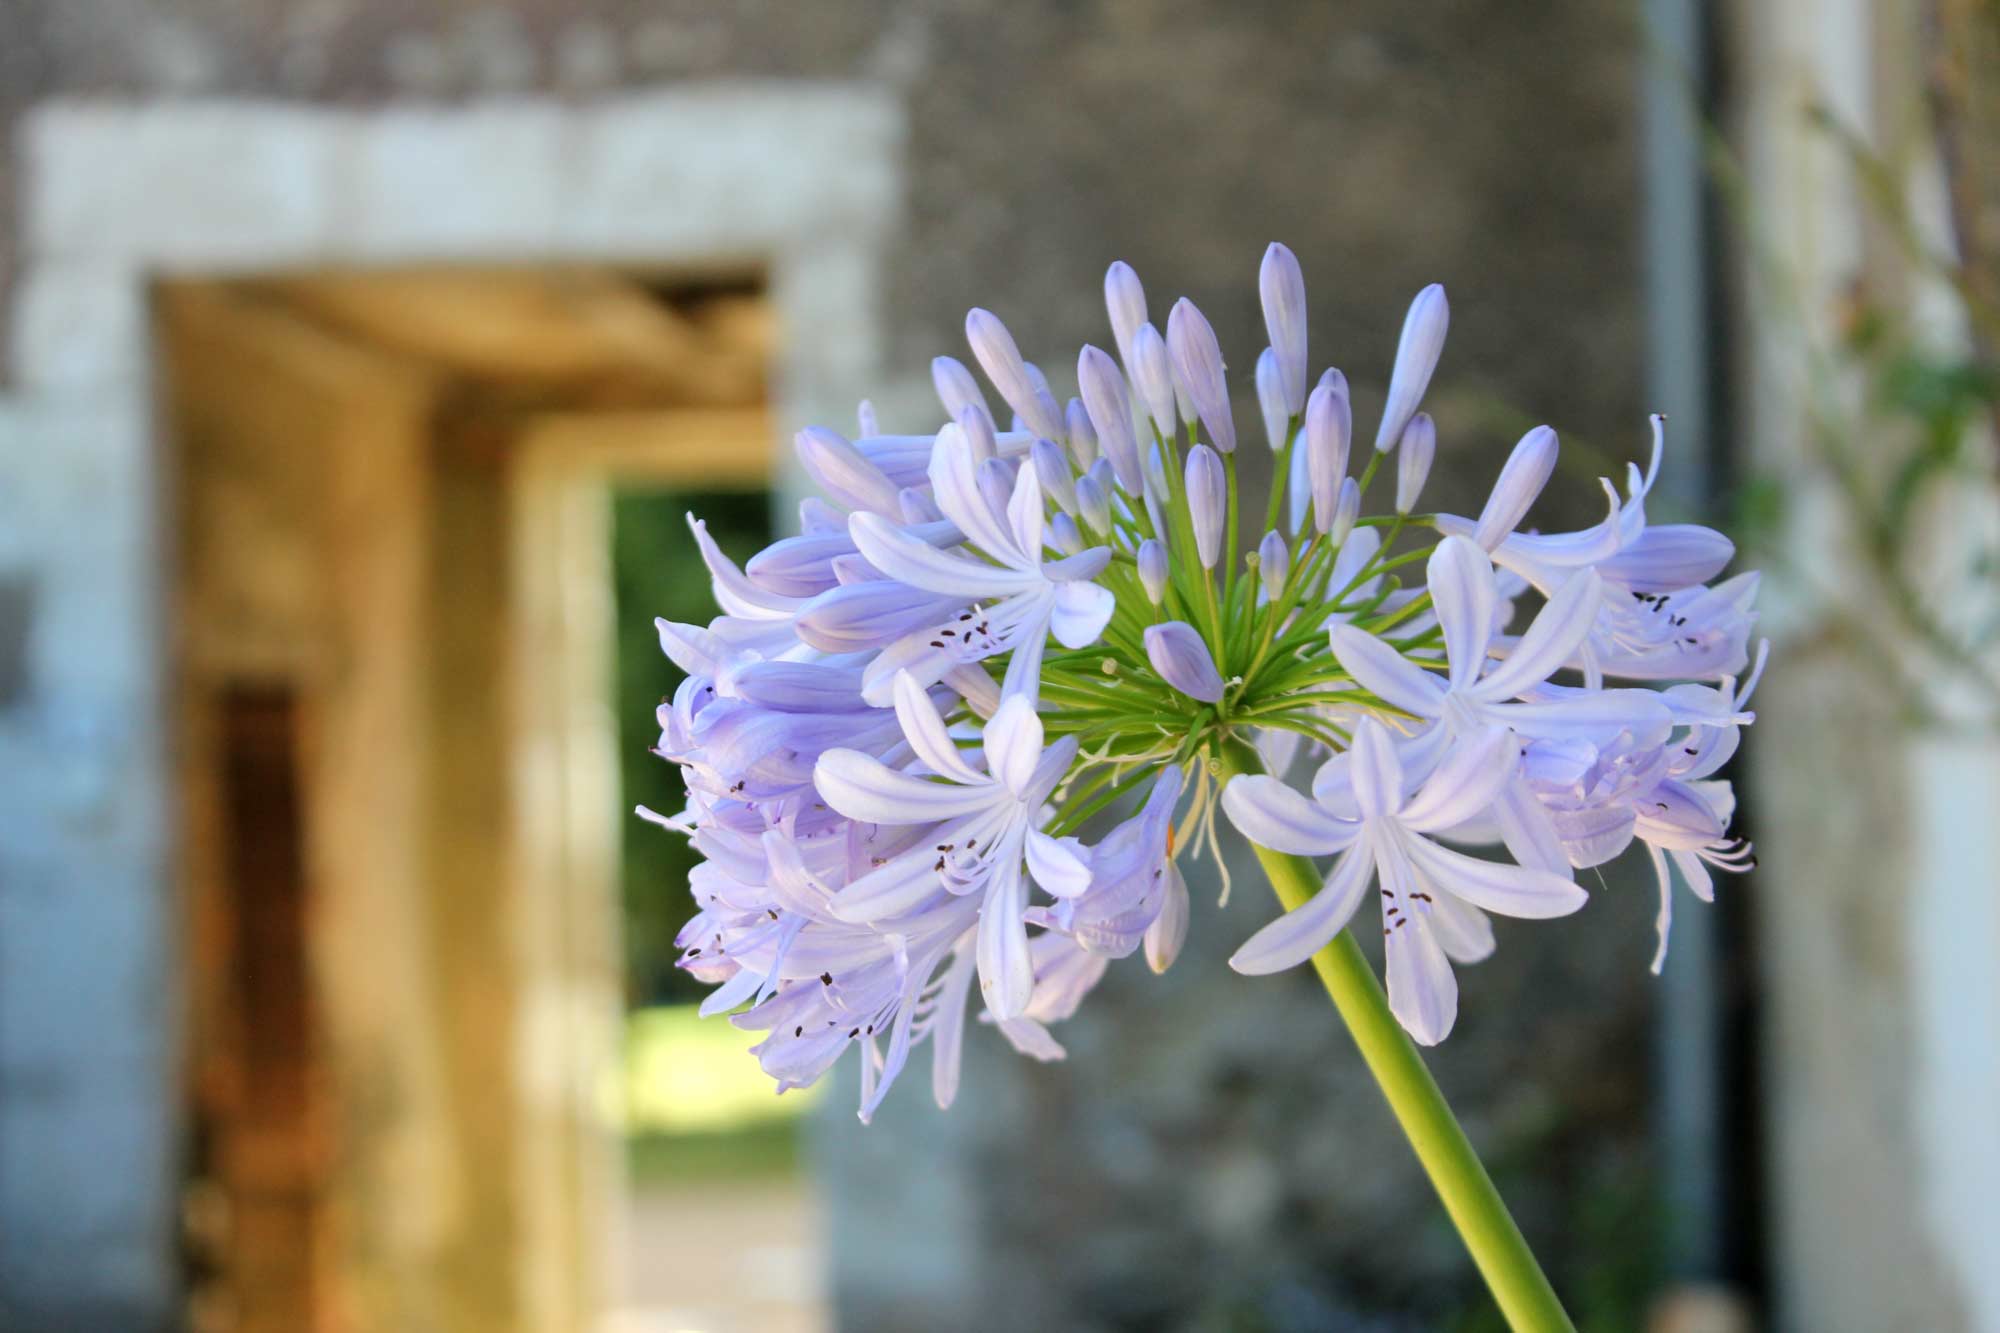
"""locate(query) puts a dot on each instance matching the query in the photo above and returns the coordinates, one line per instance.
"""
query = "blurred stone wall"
(1212, 1156)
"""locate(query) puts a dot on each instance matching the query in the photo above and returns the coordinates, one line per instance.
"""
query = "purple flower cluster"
(903, 727)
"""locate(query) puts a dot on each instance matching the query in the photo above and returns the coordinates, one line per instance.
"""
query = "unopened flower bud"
(1282, 288)
(978, 428)
(1271, 401)
(956, 388)
(1110, 409)
(996, 484)
(1091, 505)
(1274, 562)
(1125, 302)
(1052, 470)
(1527, 470)
(1208, 502)
(1153, 570)
(1416, 357)
(1182, 660)
(1197, 362)
(1153, 377)
(1065, 536)
(993, 347)
(843, 472)
(1168, 932)
(1413, 460)
(1345, 510)
(917, 506)
(816, 515)
(1329, 423)
(1082, 435)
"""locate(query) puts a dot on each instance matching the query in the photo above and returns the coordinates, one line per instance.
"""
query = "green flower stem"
(1523, 1293)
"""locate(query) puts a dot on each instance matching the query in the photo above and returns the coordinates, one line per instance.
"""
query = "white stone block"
(79, 325)
(480, 183)
(88, 531)
(216, 185)
(734, 168)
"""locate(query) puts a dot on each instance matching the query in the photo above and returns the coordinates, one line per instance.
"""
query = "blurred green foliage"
(657, 572)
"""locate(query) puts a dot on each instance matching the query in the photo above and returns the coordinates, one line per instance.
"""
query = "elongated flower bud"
(1416, 357)
(1153, 377)
(956, 388)
(1282, 288)
(1182, 660)
(916, 506)
(1156, 472)
(993, 347)
(1271, 401)
(1153, 570)
(1082, 435)
(1197, 360)
(996, 484)
(866, 420)
(1110, 409)
(1045, 397)
(816, 515)
(1345, 510)
(1125, 302)
(978, 428)
(1208, 502)
(844, 473)
(1274, 561)
(1091, 505)
(1164, 938)
(1527, 470)
(1329, 423)
(1052, 470)
(1413, 461)
(1065, 536)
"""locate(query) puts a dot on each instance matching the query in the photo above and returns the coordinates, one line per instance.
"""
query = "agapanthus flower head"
(959, 735)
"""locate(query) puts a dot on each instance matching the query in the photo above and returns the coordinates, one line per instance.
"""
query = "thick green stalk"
(1524, 1295)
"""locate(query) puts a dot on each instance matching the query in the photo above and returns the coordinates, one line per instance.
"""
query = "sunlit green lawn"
(694, 1104)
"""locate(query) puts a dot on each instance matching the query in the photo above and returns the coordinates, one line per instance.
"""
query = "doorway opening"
(401, 502)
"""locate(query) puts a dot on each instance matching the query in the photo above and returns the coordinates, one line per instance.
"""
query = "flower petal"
(1006, 969)
(1466, 782)
(1423, 993)
(925, 731)
(1375, 770)
(1024, 512)
(1272, 815)
(948, 1029)
(1386, 673)
(909, 560)
(897, 887)
(954, 474)
(1559, 629)
(1057, 864)
(1082, 610)
(1460, 578)
(1463, 931)
(862, 787)
(1168, 932)
(1307, 928)
(1182, 660)
(1013, 743)
(1497, 886)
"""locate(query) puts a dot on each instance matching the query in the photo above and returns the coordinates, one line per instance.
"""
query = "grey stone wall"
(1212, 1155)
